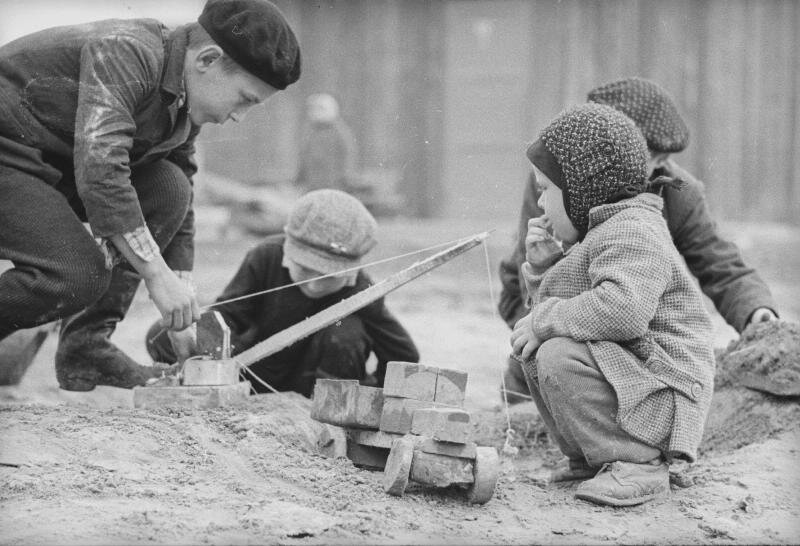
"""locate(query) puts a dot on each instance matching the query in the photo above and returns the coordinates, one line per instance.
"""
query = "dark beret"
(651, 109)
(256, 35)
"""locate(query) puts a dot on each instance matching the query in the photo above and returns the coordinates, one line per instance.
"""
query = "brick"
(373, 438)
(345, 403)
(210, 372)
(440, 470)
(398, 466)
(191, 397)
(373, 458)
(213, 336)
(443, 424)
(463, 451)
(397, 413)
(451, 386)
(408, 380)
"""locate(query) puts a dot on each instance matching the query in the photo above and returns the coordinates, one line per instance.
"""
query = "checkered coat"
(625, 291)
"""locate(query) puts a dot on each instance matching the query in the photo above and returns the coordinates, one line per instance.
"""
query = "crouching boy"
(328, 231)
(623, 368)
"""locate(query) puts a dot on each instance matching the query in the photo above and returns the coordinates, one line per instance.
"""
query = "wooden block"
(485, 473)
(398, 466)
(408, 380)
(440, 470)
(191, 397)
(397, 413)
(210, 372)
(463, 451)
(373, 438)
(451, 386)
(213, 336)
(345, 403)
(373, 458)
(443, 424)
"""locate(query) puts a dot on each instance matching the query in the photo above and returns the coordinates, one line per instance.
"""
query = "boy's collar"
(646, 200)
(172, 80)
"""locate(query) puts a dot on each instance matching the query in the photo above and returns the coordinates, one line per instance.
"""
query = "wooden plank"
(335, 312)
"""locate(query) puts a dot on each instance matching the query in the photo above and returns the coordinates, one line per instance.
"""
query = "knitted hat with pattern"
(328, 231)
(650, 107)
(595, 154)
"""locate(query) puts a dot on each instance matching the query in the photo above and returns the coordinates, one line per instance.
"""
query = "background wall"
(446, 94)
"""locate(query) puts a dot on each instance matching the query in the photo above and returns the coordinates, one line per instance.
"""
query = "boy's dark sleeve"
(179, 255)
(511, 306)
(115, 74)
(241, 316)
(735, 288)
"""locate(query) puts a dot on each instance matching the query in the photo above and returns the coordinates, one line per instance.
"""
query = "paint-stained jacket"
(625, 291)
(95, 100)
(735, 288)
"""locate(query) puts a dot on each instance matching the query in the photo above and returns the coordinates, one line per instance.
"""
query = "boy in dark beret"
(616, 348)
(328, 231)
(97, 124)
(738, 293)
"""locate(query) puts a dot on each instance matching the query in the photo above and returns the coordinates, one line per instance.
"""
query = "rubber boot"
(86, 357)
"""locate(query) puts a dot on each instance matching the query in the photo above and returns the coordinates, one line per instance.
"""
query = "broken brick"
(398, 412)
(440, 470)
(398, 466)
(443, 424)
(191, 397)
(373, 438)
(463, 451)
(409, 380)
(451, 387)
(345, 403)
(210, 372)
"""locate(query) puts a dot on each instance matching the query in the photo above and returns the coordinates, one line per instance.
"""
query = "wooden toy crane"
(213, 380)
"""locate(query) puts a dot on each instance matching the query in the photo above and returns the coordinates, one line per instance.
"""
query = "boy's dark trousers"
(339, 351)
(60, 272)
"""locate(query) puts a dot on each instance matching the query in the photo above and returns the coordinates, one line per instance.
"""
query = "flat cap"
(650, 107)
(256, 35)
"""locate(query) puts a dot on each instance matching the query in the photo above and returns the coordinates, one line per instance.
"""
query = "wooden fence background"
(446, 93)
(732, 66)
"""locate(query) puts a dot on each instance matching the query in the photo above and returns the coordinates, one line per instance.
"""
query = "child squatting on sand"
(617, 347)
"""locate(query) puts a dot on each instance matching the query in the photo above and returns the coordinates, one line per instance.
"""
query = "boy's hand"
(523, 340)
(541, 248)
(184, 343)
(174, 300)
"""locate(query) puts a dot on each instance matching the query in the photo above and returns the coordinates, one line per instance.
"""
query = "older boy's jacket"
(735, 288)
(80, 105)
(625, 291)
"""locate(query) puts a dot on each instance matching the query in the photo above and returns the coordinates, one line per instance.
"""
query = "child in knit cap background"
(616, 348)
(737, 291)
(328, 231)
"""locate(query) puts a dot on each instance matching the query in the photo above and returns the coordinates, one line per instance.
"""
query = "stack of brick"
(416, 422)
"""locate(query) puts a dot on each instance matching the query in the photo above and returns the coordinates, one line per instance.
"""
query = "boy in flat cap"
(97, 124)
(328, 231)
(738, 293)
(616, 348)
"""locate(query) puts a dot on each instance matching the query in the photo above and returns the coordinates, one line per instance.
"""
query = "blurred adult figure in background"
(328, 150)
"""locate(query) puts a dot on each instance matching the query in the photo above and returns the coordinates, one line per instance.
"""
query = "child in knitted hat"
(738, 292)
(623, 369)
(328, 232)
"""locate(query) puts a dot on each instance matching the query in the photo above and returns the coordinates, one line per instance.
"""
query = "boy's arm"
(629, 275)
(512, 301)
(116, 74)
(179, 255)
(736, 289)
